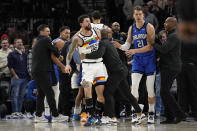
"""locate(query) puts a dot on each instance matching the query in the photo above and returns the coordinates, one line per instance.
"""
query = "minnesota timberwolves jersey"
(139, 37)
(97, 26)
(90, 43)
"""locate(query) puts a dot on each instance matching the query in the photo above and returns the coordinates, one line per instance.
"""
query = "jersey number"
(140, 43)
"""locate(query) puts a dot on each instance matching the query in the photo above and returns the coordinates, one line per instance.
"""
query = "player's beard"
(88, 27)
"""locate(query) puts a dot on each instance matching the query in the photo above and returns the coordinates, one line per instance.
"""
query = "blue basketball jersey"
(139, 37)
(58, 38)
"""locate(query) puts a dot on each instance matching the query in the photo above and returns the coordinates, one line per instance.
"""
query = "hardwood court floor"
(124, 125)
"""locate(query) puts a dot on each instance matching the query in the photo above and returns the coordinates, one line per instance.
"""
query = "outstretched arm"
(128, 42)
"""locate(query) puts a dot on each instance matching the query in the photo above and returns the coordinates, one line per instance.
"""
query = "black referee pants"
(172, 109)
(44, 88)
(117, 81)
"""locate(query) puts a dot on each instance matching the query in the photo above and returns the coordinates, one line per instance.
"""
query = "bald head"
(59, 44)
(170, 23)
(172, 19)
(116, 27)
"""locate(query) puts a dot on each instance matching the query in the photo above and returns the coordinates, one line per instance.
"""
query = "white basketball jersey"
(90, 43)
(97, 26)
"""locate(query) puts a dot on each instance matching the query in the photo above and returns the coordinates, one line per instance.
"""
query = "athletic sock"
(99, 108)
(151, 108)
(47, 111)
(77, 110)
(89, 106)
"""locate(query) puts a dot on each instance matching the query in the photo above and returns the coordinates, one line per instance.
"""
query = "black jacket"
(109, 54)
(41, 55)
(170, 52)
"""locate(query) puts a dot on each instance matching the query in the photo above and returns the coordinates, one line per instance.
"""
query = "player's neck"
(139, 24)
(86, 32)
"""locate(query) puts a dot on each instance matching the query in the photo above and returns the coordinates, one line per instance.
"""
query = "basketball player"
(142, 34)
(96, 21)
(87, 41)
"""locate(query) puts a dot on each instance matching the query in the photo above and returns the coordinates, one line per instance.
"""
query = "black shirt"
(170, 52)
(41, 55)
(109, 54)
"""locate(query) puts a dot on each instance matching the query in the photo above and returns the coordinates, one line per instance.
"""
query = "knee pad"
(150, 85)
(136, 77)
(3, 110)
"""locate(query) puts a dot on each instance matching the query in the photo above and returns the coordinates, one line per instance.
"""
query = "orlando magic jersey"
(139, 37)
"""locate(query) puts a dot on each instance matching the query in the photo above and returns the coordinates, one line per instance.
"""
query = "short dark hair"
(63, 28)
(42, 27)
(138, 8)
(82, 17)
(96, 14)
(15, 39)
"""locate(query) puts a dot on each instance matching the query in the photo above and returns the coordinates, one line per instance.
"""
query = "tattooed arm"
(73, 46)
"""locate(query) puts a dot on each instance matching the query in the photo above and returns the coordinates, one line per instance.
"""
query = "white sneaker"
(60, 118)
(29, 115)
(136, 119)
(105, 120)
(151, 119)
(14, 116)
(113, 121)
(40, 119)
(20, 115)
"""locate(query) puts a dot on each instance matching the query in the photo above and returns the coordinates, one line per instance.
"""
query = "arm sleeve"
(125, 46)
(97, 54)
(167, 46)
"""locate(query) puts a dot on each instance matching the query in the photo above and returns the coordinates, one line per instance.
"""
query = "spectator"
(17, 63)
(11, 47)
(149, 17)
(162, 3)
(4, 71)
(158, 12)
(116, 34)
(128, 11)
(169, 9)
